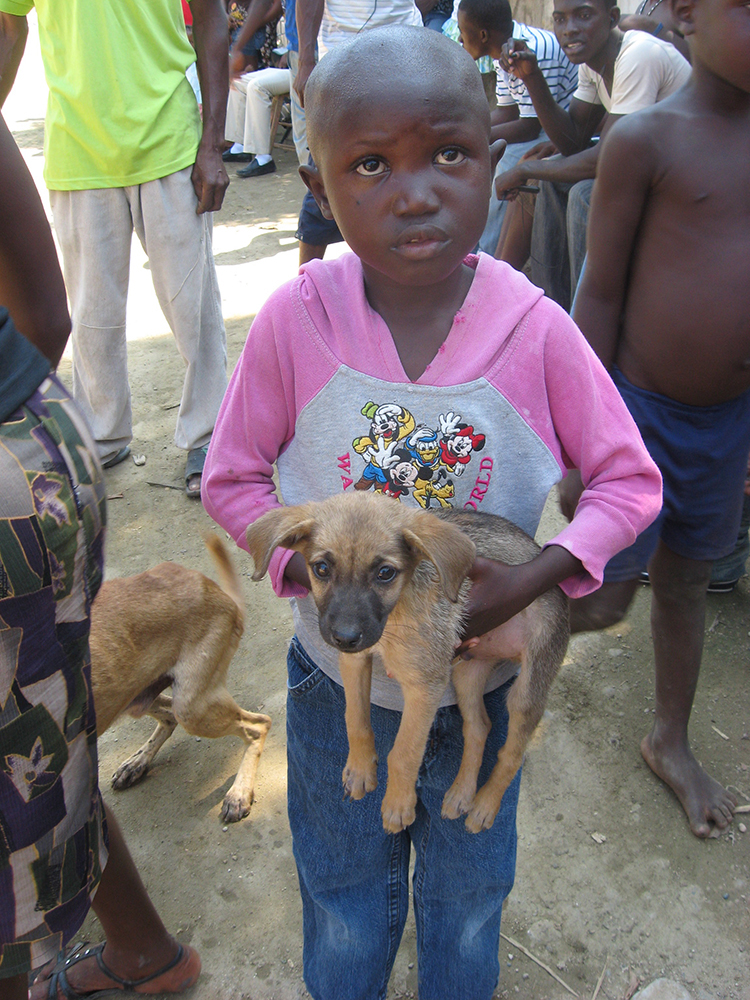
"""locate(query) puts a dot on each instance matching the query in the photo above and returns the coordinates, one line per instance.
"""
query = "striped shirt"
(343, 19)
(559, 72)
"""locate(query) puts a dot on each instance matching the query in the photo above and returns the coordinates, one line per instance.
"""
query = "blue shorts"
(313, 228)
(702, 453)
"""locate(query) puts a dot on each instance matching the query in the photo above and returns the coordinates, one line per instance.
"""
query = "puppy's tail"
(229, 581)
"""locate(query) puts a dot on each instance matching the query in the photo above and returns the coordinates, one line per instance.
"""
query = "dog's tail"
(229, 581)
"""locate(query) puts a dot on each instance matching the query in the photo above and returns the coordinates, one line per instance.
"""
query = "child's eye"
(370, 167)
(449, 157)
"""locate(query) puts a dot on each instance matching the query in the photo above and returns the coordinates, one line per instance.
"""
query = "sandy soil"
(609, 876)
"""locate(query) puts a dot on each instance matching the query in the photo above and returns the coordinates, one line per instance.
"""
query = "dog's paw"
(130, 772)
(358, 780)
(483, 810)
(457, 801)
(398, 813)
(234, 808)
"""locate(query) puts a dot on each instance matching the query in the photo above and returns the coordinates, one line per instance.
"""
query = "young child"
(439, 378)
(665, 304)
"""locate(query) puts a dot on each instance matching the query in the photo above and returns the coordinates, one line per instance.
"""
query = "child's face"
(406, 174)
(582, 28)
(719, 33)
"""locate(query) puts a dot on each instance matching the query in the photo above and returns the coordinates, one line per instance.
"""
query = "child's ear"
(614, 16)
(497, 151)
(684, 14)
(311, 176)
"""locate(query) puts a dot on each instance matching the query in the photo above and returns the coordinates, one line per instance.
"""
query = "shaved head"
(352, 78)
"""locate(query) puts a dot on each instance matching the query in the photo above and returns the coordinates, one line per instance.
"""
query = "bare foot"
(708, 805)
(85, 975)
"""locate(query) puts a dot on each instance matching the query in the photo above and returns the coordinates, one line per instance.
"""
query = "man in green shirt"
(125, 149)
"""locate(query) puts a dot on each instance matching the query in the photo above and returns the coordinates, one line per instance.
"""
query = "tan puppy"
(390, 580)
(174, 626)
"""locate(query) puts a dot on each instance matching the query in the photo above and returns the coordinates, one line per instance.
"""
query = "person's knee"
(676, 580)
(602, 609)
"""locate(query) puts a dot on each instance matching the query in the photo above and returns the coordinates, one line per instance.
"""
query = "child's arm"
(624, 177)
(255, 422)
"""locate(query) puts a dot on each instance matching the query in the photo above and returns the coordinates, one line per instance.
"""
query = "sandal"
(60, 987)
(194, 470)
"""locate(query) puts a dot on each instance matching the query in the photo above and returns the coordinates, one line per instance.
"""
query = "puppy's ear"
(288, 527)
(448, 549)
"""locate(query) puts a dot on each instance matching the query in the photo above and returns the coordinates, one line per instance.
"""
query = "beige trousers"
(95, 230)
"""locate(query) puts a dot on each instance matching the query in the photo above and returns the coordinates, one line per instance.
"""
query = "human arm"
(619, 197)
(259, 13)
(309, 15)
(13, 33)
(31, 284)
(559, 169)
(209, 176)
(507, 123)
(498, 591)
(570, 130)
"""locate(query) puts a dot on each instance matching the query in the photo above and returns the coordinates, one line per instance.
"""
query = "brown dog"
(174, 626)
(391, 580)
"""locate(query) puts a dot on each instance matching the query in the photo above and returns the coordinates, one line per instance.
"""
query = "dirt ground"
(610, 882)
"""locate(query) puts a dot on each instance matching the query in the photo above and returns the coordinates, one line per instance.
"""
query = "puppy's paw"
(398, 812)
(234, 807)
(359, 779)
(130, 772)
(483, 811)
(457, 800)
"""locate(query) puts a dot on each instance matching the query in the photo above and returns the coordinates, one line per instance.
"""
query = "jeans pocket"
(303, 675)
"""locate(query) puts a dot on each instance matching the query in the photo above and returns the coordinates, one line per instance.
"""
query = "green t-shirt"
(120, 108)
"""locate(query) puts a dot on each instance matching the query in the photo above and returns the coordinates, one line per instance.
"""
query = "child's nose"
(416, 196)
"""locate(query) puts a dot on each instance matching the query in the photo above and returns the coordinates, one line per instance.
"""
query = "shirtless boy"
(665, 303)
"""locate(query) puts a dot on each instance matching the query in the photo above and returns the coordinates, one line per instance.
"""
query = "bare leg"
(677, 621)
(514, 244)
(137, 941)
(606, 606)
(311, 251)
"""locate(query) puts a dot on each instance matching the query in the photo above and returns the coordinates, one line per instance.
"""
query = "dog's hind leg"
(217, 714)
(134, 768)
(469, 678)
(360, 774)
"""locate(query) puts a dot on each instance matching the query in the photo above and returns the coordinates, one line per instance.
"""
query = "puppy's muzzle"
(353, 621)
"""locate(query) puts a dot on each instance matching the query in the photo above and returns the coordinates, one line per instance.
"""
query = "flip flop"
(59, 985)
(194, 470)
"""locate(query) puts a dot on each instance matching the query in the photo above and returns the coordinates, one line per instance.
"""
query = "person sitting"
(486, 26)
(249, 117)
(619, 72)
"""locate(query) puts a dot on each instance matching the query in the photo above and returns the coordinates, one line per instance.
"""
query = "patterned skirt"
(52, 830)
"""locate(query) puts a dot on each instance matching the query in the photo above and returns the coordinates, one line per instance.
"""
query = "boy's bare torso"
(686, 323)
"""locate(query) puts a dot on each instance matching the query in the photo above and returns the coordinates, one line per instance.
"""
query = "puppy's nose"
(346, 637)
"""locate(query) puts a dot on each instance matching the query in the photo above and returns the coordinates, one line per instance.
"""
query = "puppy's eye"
(387, 574)
(449, 157)
(321, 569)
(371, 166)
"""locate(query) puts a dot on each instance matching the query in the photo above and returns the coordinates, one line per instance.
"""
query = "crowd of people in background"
(453, 148)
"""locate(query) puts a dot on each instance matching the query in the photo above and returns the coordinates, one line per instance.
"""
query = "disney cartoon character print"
(405, 458)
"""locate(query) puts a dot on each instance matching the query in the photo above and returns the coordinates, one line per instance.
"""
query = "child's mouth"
(422, 243)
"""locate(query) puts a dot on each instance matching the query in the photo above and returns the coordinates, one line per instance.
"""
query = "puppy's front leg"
(360, 774)
(421, 702)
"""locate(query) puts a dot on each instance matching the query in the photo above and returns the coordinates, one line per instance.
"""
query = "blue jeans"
(354, 876)
(558, 238)
(497, 209)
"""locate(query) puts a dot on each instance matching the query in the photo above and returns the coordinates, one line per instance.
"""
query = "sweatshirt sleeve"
(596, 434)
(255, 423)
